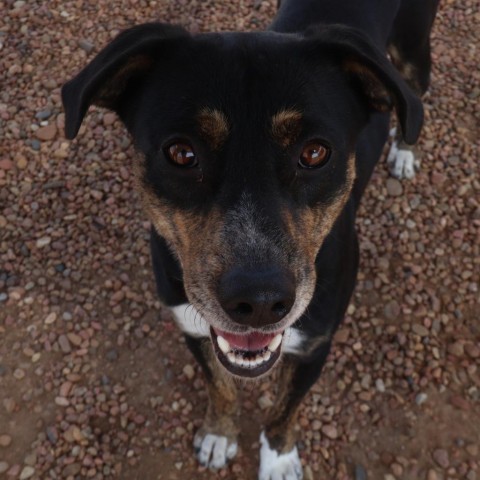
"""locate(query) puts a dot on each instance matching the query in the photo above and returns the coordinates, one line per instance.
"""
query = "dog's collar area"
(248, 355)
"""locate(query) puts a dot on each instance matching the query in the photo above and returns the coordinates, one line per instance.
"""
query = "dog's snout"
(257, 298)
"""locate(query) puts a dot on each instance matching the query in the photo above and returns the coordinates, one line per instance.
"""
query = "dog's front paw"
(214, 451)
(401, 160)
(275, 466)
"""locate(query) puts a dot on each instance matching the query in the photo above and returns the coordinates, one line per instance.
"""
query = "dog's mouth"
(247, 355)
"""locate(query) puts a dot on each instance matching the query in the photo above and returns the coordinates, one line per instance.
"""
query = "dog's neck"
(373, 17)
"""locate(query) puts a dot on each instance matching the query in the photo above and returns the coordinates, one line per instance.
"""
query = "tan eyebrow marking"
(286, 126)
(214, 126)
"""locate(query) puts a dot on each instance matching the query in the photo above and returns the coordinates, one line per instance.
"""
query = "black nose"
(257, 297)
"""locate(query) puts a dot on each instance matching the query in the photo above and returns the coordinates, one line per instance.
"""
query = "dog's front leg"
(216, 441)
(278, 454)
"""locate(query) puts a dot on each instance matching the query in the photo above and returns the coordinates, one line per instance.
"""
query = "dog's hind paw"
(401, 161)
(214, 451)
(275, 466)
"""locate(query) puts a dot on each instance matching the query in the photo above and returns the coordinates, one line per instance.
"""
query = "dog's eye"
(314, 155)
(181, 154)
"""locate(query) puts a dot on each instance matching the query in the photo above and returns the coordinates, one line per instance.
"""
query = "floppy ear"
(380, 82)
(103, 81)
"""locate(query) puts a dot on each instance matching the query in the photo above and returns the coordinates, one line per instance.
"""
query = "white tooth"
(223, 344)
(231, 357)
(238, 360)
(276, 341)
(266, 356)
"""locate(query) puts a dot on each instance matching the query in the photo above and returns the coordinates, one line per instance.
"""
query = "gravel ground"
(94, 386)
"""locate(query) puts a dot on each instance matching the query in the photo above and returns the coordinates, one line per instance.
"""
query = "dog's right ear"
(103, 81)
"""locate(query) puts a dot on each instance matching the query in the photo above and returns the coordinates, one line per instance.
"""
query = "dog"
(255, 150)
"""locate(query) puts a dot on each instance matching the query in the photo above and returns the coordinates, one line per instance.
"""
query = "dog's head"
(248, 143)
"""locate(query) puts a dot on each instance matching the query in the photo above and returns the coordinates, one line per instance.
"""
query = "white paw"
(286, 466)
(214, 451)
(401, 162)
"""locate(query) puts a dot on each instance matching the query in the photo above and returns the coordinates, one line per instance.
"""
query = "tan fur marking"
(213, 125)
(195, 240)
(222, 395)
(109, 93)
(310, 227)
(374, 88)
(407, 70)
(286, 126)
(282, 416)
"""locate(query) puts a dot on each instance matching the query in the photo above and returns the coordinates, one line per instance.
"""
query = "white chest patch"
(190, 321)
(273, 466)
(293, 341)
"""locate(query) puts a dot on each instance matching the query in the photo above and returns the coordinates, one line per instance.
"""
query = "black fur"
(324, 58)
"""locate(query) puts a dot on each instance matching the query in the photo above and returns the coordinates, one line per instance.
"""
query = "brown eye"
(181, 154)
(314, 155)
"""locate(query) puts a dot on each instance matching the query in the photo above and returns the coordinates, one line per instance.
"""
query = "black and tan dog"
(255, 151)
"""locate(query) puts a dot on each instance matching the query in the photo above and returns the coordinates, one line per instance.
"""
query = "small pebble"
(112, 355)
(43, 114)
(360, 473)
(19, 374)
(394, 187)
(441, 457)
(43, 242)
(64, 344)
(27, 472)
(62, 402)
(330, 431)
(379, 385)
(471, 475)
(51, 317)
(421, 398)
(432, 475)
(189, 371)
(86, 45)
(5, 440)
(46, 133)
(420, 330)
(35, 144)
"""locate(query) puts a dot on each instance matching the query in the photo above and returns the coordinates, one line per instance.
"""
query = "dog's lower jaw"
(247, 363)
(278, 465)
(193, 324)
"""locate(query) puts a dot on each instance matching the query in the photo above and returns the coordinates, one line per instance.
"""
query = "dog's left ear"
(107, 77)
(380, 82)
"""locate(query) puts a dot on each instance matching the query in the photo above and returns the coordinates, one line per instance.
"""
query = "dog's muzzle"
(258, 299)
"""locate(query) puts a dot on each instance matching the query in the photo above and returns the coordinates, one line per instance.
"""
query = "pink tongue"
(252, 342)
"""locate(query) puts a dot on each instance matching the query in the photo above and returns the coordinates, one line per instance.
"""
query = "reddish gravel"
(94, 386)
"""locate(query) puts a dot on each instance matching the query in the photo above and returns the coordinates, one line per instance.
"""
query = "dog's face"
(248, 157)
